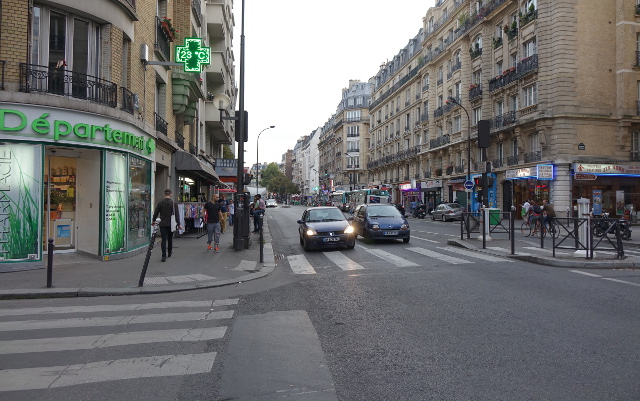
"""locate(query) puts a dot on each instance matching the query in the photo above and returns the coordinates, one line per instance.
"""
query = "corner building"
(558, 81)
(96, 120)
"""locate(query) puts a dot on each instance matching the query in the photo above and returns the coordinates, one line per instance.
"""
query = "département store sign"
(37, 123)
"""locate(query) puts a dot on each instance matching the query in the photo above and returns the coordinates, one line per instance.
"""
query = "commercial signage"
(606, 168)
(541, 172)
(583, 176)
(227, 167)
(115, 202)
(20, 199)
(545, 171)
(432, 184)
(193, 55)
(520, 173)
(37, 123)
(404, 186)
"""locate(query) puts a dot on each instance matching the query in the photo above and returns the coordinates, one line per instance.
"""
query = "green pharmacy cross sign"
(193, 55)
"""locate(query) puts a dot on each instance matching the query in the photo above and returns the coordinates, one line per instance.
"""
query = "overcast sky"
(299, 55)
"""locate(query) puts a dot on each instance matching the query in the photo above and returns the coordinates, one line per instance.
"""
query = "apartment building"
(97, 119)
(558, 81)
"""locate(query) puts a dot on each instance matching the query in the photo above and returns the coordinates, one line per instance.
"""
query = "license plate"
(390, 233)
(332, 239)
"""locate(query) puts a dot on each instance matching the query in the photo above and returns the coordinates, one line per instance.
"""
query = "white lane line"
(505, 250)
(440, 256)
(424, 239)
(110, 308)
(247, 265)
(300, 265)
(477, 255)
(103, 371)
(113, 320)
(622, 281)
(545, 250)
(585, 273)
(343, 262)
(109, 340)
(391, 258)
(177, 279)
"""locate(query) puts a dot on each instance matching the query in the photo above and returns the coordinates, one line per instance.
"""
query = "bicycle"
(527, 230)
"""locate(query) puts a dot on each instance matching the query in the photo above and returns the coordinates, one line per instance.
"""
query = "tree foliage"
(275, 181)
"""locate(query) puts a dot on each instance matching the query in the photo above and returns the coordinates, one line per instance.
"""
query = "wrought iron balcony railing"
(161, 124)
(513, 160)
(499, 122)
(533, 157)
(2, 65)
(180, 140)
(497, 163)
(635, 155)
(475, 92)
(162, 41)
(440, 141)
(127, 100)
(527, 65)
(58, 81)
(193, 150)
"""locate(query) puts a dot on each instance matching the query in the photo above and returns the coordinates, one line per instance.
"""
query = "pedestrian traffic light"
(247, 178)
(244, 132)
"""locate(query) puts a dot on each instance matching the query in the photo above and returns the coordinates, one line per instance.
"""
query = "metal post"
(512, 224)
(485, 226)
(154, 233)
(50, 248)
(240, 229)
(261, 238)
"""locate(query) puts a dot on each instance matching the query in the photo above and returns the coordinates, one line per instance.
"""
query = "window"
(530, 95)
(499, 108)
(481, 155)
(477, 77)
(529, 48)
(425, 81)
(513, 60)
(440, 76)
(353, 131)
(635, 145)
(459, 159)
(457, 89)
(498, 33)
(407, 122)
(514, 147)
(439, 100)
(477, 43)
(500, 151)
(359, 101)
(476, 115)
(499, 68)
(514, 103)
(457, 125)
(457, 60)
(535, 142)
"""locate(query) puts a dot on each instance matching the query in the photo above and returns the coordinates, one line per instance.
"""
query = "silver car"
(447, 211)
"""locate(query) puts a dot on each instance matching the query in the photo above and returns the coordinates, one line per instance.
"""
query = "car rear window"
(454, 205)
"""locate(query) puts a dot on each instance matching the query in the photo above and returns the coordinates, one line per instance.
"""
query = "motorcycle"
(603, 225)
(420, 212)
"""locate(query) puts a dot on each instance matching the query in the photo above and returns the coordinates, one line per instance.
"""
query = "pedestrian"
(165, 209)
(258, 212)
(213, 219)
(548, 212)
(430, 207)
(223, 209)
(232, 211)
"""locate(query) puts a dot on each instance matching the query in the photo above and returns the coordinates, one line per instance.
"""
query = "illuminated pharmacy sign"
(193, 55)
(67, 126)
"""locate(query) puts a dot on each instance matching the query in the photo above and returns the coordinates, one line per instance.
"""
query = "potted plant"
(168, 28)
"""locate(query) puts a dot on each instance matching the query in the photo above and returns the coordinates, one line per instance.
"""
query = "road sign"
(582, 176)
(469, 185)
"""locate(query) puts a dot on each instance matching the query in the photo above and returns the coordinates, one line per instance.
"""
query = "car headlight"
(311, 231)
(404, 227)
(375, 227)
(348, 230)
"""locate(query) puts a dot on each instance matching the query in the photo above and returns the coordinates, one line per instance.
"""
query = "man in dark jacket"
(214, 217)
(165, 209)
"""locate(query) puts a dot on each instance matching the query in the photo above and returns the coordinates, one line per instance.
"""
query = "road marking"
(103, 371)
(505, 250)
(391, 258)
(622, 281)
(113, 320)
(177, 279)
(342, 261)
(428, 240)
(440, 256)
(585, 273)
(116, 308)
(109, 340)
(300, 265)
(476, 254)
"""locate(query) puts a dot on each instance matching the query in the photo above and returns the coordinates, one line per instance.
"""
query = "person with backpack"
(535, 211)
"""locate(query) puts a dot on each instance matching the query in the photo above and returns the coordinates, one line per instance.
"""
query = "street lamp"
(455, 101)
(257, 148)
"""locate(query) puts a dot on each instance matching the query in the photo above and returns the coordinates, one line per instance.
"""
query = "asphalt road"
(384, 321)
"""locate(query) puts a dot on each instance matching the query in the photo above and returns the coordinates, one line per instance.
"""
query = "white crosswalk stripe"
(300, 265)
(439, 256)
(108, 331)
(391, 258)
(343, 262)
(476, 254)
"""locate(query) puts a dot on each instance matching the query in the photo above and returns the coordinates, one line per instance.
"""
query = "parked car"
(447, 211)
(325, 227)
(271, 203)
(377, 221)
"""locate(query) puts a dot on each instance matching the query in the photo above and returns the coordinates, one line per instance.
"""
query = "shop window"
(139, 202)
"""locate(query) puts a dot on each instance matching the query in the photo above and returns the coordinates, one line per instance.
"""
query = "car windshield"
(325, 215)
(383, 211)
(454, 205)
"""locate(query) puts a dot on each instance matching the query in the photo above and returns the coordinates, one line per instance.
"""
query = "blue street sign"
(469, 185)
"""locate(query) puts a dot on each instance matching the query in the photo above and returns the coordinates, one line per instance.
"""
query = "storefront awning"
(185, 161)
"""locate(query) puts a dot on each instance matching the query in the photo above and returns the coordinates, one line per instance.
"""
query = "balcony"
(162, 45)
(508, 77)
(512, 33)
(425, 88)
(532, 15)
(449, 170)
(459, 169)
(58, 81)
(127, 100)
(635, 156)
(425, 116)
(218, 130)
(513, 160)
(475, 91)
(497, 163)
(497, 42)
(440, 141)
(161, 124)
(193, 150)
(475, 53)
(637, 60)
(499, 122)
(638, 107)
(218, 69)
(197, 11)
(180, 140)
(527, 65)
(532, 157)
(2, 65)
(440, 81)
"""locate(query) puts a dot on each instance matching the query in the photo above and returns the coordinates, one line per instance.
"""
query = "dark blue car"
(325, 227)
(380, 221)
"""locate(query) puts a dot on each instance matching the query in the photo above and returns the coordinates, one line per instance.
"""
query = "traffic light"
(245, 131)
(247, 178)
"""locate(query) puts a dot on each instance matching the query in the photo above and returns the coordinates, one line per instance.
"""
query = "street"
(385, 321)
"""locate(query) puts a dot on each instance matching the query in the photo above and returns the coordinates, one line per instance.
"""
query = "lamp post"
(455, 101)
(257, 148)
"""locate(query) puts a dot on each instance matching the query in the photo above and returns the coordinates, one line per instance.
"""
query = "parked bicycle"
(527, 229)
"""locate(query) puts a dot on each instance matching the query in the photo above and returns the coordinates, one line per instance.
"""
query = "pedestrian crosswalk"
(29, 334)
(393, 257)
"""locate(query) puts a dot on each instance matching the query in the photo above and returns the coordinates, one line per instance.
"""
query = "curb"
(555, 262)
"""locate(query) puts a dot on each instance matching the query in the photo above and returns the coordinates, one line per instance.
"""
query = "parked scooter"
(420, 211)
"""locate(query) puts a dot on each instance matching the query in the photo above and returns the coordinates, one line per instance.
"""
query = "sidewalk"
(528, 249)
(190, 267)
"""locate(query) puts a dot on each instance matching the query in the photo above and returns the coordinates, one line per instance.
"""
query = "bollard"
(261, 238)
(146, 259)
(512, 228)
(50, 248)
